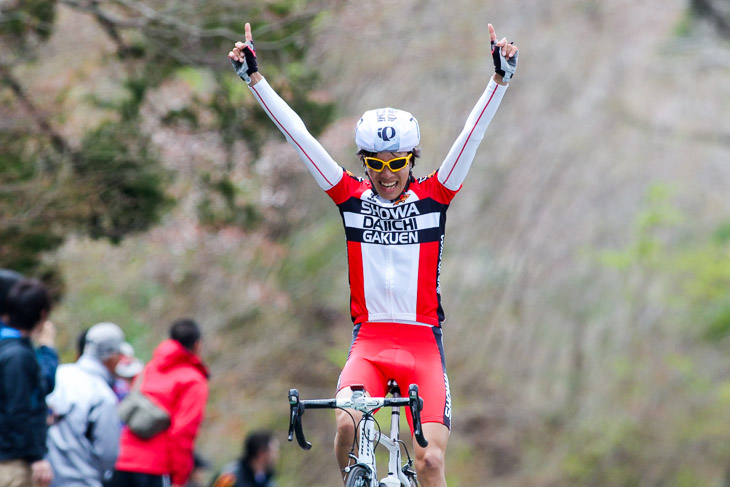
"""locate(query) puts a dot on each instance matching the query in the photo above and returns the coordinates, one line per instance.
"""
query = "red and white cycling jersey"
(394, 249)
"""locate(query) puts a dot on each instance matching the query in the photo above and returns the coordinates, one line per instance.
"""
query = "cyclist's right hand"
(243, 57)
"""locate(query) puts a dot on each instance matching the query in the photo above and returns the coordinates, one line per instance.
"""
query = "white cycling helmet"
(387, 130)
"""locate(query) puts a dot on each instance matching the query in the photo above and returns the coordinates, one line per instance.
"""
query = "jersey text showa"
(397, 225)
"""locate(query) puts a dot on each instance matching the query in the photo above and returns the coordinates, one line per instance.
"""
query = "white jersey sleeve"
(325, 170)
(458, 161)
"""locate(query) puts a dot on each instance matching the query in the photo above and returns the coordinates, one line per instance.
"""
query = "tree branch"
(110, 28)
(57, 141)
(151, 20)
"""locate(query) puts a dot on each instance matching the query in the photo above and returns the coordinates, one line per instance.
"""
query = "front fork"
(366, 452)
(369, 437)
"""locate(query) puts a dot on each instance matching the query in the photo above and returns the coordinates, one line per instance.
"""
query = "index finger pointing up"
(492, 34)
(247, 32)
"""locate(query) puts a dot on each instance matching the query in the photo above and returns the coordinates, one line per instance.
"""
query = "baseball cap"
(129, 365)
(387, 130)
(104, 340)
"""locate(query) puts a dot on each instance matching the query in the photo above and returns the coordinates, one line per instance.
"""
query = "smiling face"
(388, 184)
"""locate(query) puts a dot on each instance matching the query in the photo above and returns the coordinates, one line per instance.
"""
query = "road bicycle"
(362, 470)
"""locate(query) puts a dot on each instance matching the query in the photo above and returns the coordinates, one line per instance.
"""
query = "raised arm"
(455, 167)
(325, 170)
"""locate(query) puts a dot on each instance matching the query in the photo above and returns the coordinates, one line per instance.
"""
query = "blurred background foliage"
(587, 267)
(106, 173)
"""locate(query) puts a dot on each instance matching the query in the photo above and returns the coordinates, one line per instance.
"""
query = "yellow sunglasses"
(394, 165)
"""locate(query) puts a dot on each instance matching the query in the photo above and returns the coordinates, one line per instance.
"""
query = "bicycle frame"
(369, 436)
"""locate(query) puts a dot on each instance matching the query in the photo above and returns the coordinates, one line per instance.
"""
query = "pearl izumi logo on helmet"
(387, 130)
(386, 133)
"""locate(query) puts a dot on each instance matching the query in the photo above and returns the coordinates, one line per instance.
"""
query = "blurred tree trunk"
(716, 11)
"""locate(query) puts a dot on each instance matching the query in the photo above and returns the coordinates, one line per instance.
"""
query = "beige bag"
(143, 417)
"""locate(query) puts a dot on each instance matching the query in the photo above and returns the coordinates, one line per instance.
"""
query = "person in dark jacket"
(176, 380)
(44, 337)
(255, 468)
(23, 408)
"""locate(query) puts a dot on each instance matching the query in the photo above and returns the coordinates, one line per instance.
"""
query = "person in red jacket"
(176, 380)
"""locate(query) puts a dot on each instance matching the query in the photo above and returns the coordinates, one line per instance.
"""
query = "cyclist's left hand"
(504, 55)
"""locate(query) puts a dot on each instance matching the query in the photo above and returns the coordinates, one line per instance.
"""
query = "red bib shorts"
(407, 353)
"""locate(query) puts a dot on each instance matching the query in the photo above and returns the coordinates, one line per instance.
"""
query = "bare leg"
(430, 465)
(345, 431)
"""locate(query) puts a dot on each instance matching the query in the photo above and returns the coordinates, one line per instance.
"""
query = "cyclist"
(394, 226)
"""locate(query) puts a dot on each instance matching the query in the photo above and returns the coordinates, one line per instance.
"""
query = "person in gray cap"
(83, 441)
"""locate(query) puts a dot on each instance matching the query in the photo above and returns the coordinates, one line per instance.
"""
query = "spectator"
(83, 441)
(81, 342)
(255, 468)
(44, 336)
(200, 466)
(8, 279)
(127, 369)
(176, 380)
(23, 408)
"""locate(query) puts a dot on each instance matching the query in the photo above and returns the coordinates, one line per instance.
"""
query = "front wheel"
(358, 476)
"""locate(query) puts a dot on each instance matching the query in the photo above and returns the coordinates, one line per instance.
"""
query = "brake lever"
(296, 410)
(416, 404)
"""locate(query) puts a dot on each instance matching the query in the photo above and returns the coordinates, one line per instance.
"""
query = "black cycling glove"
(248, 66)
(503, 66)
